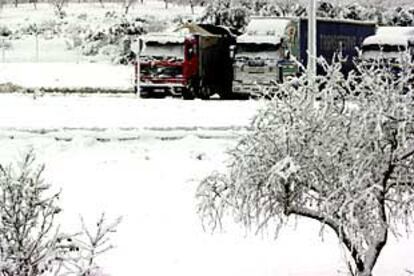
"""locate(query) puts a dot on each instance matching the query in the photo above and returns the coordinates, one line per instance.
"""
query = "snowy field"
(76, 76)
(143, 159)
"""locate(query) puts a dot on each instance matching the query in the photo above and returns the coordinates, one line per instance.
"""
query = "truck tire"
(205, 93)
(225, 96)
(189, 92)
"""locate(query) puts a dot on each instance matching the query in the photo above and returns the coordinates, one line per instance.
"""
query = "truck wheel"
(228, 94)
(225, 96)
(188, 93)
(205, 93)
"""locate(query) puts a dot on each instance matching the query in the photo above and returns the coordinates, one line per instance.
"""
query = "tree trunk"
(370, 257)
(166, 4)
(364, 273)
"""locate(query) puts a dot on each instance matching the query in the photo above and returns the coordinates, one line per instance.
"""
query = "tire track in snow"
(126, 134)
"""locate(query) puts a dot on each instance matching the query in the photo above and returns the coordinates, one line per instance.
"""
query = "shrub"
(31, 243)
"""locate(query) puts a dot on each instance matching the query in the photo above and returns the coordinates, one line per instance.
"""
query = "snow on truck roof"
(167, 37)
(270, 30)
(385, 40)
(391, 36)
(177, 35)
(263, 30)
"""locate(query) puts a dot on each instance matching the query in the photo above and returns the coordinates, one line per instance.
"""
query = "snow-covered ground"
(143, 159)
(68, 75)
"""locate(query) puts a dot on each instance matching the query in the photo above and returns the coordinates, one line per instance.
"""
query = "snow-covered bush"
(401, 17)
(107, 39)
(31, 243)
(48, 28)
(58, 6)
(89, 245)
(223, 13)
(335, 149)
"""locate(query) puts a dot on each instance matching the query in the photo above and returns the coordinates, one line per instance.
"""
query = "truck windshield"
(170, 71)
(250, 47)
(258, 51)
(383, 48)
(164, 71)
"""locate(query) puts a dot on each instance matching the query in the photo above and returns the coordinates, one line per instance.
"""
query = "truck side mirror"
(287, 54)
(190, 53)
(232, 51)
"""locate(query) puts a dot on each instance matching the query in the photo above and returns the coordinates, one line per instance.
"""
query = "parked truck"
(204, 68)
(161, 64)
(391, 48)
(389, 43)
(272, 47)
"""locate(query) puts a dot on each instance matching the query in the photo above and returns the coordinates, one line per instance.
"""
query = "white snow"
(121, 112)
(391, 36)
(382, 39)
(68, 75)
(165, 37)
(264, 30)
(143, 159)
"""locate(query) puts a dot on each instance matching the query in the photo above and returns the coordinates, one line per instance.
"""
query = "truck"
(161, 64)
(389, 43)
(204, 68)
(272, 49)
(391, 48)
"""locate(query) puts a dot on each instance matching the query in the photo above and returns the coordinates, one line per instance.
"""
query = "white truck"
(272, 48)
(258, 51)
(389, 43)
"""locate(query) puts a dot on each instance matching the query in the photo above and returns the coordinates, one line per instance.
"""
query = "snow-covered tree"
(28, 238)
(225, 13)
(58, 6)
(31, 243)
(127, 5)
(93, 242)
(237, 12)
(338, 150)
(288, 7)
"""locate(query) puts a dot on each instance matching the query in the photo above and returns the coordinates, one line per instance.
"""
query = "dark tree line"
(236, 13)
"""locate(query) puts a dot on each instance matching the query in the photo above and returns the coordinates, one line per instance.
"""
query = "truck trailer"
(272, 48)
(208, 62)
